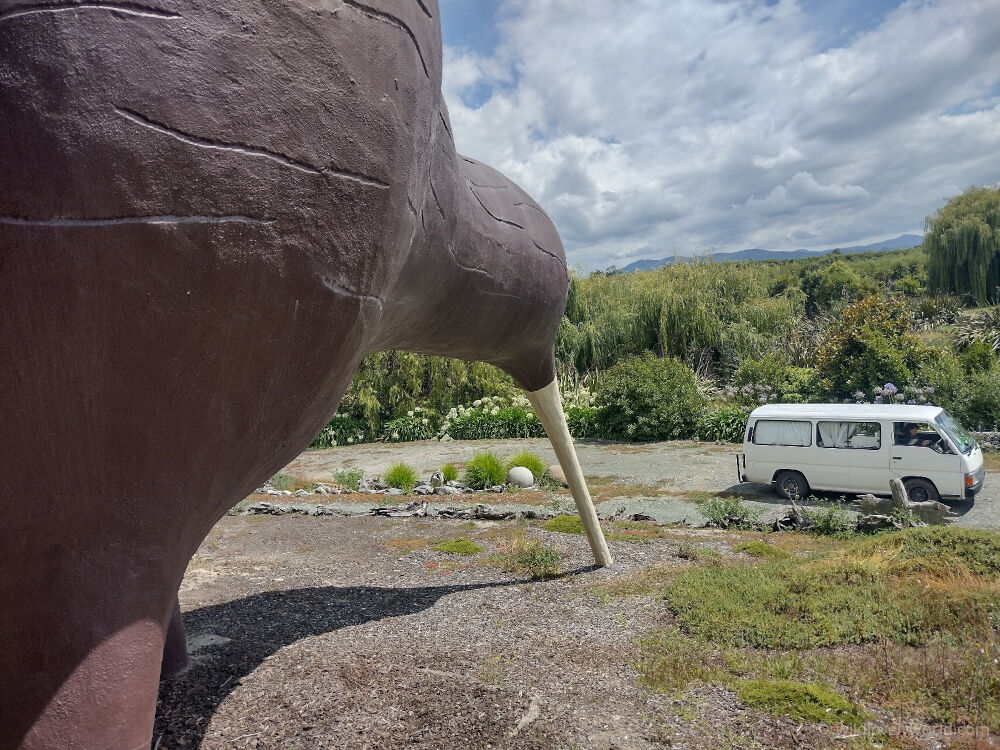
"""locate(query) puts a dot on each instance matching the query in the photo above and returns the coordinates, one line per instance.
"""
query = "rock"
(639, 517)
(301, 493)
(258, 509)
(423, 489)
(495, 488)
(486, 513)
(437, 479)
(322, 489)
(393, 491)
(370, 485)
(453, 483)
(447, 490)
(556, 472)
(519, 476)
(536, 515)
(408, 511)
(456, 513)
(877, 522)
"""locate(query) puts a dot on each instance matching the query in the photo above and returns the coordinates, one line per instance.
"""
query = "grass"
(800, 700)
(407, 544)
(644, 582)
(449, 472)
(761, 549)
(728, 513)
(485, 470)
(401, 476)
(565, 524)
(460, 546)
(906, 587)
(530, 461)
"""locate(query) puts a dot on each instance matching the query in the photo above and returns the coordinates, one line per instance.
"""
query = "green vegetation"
(757, 548)
(485, 470)
(530, 461)
(401, 476)
(449, 472)
(904, 587)
(648, 398)
(728, 513)
(800, 700)
(963, 245)
(349, 478)
(904, 622)
(461, 546)
(565, 524)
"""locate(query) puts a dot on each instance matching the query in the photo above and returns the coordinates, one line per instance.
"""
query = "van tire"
(920, 490)
(791, 484)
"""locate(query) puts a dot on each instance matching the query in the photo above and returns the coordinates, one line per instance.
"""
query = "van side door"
(854, 454)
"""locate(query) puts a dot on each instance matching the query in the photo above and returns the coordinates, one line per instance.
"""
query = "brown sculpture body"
(208, 214)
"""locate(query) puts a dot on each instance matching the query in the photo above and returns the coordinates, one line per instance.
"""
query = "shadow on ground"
(261, 624)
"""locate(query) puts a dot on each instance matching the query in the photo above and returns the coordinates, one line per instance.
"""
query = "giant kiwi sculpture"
(208, 213)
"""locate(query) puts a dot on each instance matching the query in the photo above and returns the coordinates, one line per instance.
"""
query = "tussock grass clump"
(449, 472)
(530, 461)
(282, 481)
(762, 549)
(460, 546)
(807, 701)
(485, 470)
(565, 524)
(401, 476)
(528, 556)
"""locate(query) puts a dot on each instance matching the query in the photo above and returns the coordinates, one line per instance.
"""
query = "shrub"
(978, 357)
(583, 421)
(485, 470)
(869, 346)
(726, 424)
(979, 401)
(800, 700)
(461, 546)
(402, 476)
(565, 524)
(829, 520)
(492, 418)
(349, 478)
(530, 461)
(757, 548)
(647, 398)
(416, 424)
(449, 472)
(340, 430)
(728, 512)
(282, 481)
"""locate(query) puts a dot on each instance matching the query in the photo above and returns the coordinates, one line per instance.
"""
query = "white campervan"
(857, 448)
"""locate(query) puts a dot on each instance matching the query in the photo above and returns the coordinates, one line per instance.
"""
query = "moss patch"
(800, 700)
(460, 546)
(761, 549)
(564, 524)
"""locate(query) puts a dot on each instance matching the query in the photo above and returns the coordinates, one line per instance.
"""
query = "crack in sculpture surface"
(184, 307)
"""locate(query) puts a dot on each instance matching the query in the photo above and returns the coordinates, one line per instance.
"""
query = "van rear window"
(782, 432)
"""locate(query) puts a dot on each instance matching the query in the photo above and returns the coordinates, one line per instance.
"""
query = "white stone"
(520, 477)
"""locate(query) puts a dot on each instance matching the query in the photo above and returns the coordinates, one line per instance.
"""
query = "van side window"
(859, 435)
(782, 432)
(917, 434)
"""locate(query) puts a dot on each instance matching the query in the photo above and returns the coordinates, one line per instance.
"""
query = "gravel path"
(662, 480)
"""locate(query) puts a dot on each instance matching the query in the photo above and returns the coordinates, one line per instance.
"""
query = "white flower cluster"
(578, 396)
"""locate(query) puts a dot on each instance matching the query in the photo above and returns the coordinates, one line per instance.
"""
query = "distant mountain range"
(897, 243)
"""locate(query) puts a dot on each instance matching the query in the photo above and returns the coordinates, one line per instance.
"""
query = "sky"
(646, 128)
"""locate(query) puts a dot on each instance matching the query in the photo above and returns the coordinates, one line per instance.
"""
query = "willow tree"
(962, 240)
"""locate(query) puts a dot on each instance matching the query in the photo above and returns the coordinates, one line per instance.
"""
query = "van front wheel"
(921, 491)
(791, 484)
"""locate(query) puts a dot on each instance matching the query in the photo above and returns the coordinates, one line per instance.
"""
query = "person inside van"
(911, 436)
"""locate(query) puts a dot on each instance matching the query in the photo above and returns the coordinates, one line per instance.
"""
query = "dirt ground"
(662, 480)
(327, 633)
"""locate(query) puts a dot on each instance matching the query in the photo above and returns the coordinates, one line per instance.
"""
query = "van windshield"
(958, 434)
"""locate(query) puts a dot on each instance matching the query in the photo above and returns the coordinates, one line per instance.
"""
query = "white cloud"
(643, 126)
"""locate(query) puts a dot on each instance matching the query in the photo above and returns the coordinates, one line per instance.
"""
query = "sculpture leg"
(175, 653)
(549, 410)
